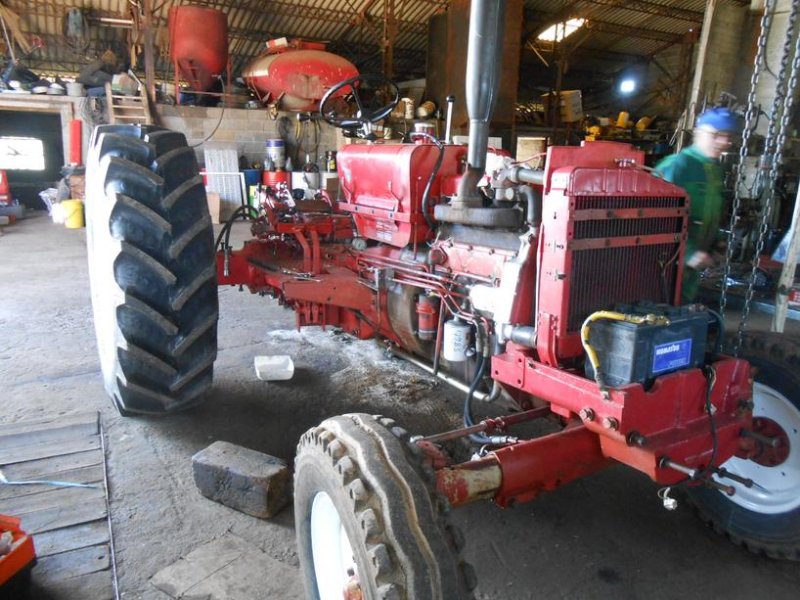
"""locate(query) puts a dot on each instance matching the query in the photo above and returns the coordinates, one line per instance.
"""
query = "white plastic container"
(276, 152)
(456, 340)
(274, 368)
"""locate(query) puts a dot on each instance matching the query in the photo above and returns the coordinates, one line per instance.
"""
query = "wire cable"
(221, 114)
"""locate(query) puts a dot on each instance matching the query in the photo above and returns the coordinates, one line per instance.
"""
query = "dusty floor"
(603, 537)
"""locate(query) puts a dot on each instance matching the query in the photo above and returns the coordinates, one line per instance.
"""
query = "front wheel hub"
(771, 454)
(774, 469)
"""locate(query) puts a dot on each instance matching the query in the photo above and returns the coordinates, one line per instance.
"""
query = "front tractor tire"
(369, 523)
(765, 518)
(151, 268)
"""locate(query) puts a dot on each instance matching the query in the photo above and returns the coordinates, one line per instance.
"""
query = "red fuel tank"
(297, 72)
(198, 44)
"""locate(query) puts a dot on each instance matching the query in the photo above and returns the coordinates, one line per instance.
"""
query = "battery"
(638, 353)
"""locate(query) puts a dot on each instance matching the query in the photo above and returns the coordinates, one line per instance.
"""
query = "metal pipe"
(449, 123)
(459, 385)
(522, 175)
(524, 335)
(489, 425)
(486, 21)
(124, 23)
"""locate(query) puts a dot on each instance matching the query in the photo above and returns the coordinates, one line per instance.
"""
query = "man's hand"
(699, 260)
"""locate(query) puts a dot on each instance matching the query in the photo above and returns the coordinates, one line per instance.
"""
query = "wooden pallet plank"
(46, 450)
(63, 516)
(92, 474)
(45, 467)
(72, 538)
(92, 586)
(72, 564)
(55, 498)
(31, 432)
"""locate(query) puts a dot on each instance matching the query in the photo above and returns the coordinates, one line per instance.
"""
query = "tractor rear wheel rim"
(776, 488)
(331, 549)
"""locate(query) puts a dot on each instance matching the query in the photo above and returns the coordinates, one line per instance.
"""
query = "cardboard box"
(570, 104)
(494, 142)
(77, 187)
(529, 147)
(213, 206)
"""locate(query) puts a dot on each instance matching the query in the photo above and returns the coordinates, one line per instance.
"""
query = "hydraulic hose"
(226, 228)
(534, 200)
(478, 438)
(431, 178)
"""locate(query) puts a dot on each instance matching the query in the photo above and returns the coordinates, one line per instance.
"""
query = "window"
(557, 32)
(21, 154)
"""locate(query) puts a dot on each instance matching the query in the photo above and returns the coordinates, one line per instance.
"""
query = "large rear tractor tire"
(369, 522)
(152, 269)
(765, 518)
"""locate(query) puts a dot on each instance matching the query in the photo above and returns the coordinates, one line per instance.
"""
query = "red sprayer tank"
(297, 72)
(198, 44)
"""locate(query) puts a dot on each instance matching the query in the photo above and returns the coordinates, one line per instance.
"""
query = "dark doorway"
(26, 183)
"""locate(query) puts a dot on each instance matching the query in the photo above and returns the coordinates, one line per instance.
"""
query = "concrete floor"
(603, 537)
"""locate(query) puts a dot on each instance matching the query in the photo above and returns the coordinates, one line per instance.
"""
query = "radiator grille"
(609, 228)
(618, 202)
(601, 278)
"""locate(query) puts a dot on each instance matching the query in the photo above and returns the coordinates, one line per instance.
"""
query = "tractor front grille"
(604, 277)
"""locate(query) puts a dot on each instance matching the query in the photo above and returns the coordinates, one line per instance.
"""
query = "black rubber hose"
(427, 193)
(477, 438)
(534, 210)
(226, 228)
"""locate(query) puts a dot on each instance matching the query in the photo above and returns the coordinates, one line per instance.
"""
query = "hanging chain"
(749, 117)
(784, 100)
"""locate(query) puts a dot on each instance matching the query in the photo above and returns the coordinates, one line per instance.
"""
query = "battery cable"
(591, 353)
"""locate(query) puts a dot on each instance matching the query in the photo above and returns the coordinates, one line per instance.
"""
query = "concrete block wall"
(767, 82)
(727, 50)
(247, 128)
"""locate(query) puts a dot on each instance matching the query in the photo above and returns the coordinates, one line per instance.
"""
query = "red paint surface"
(198, 44)
(76, 142)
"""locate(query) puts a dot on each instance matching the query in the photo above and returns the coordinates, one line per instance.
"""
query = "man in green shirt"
(696, 169)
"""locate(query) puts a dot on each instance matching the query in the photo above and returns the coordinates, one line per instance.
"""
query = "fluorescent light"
(557, 32)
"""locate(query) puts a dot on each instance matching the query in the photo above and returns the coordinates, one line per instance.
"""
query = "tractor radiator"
(602, 276)
(609, 236)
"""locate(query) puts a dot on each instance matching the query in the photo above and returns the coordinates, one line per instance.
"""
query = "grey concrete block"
(247, 480)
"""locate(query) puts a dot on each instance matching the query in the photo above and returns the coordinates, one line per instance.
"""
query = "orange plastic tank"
(198, 44)
(297, 72)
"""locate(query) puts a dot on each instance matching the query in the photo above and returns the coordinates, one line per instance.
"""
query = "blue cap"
(719, 118)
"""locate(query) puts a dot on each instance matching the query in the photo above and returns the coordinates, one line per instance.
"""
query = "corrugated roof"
(354, 27)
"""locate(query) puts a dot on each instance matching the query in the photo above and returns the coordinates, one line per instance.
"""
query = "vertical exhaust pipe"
(486, 22)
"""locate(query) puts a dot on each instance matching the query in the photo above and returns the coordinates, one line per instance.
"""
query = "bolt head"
(610, 423)
(587, 414)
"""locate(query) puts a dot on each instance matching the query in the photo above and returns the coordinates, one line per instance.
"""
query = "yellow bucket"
(73, 213)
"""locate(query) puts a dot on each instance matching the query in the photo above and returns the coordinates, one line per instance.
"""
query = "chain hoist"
(750, 115)
(782, 104)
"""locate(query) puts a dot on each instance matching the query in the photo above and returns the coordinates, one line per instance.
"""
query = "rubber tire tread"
(777, 364)
(152, 268)
(396, 522)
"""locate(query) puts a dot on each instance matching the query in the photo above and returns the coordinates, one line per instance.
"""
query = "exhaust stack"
(486, 26)
(486, 22)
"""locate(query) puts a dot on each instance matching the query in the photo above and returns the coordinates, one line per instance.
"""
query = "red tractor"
(557, 290)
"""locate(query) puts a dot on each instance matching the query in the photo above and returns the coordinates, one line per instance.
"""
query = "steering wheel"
(365, 115)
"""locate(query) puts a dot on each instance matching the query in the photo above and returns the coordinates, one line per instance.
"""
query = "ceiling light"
(627, 86)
